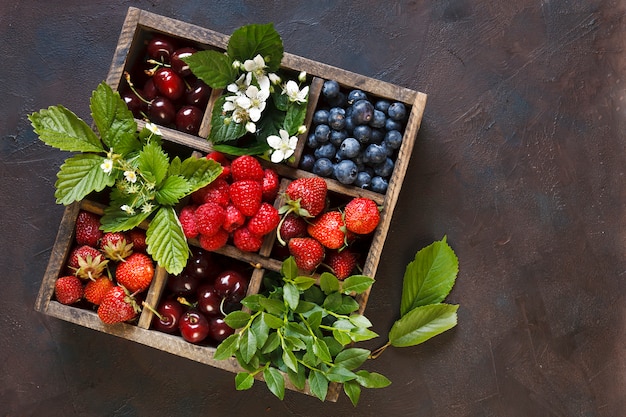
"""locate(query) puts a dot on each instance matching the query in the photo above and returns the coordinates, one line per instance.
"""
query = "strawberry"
(135, 272)
(306, 196)
(116, 245)
(117, 306)
(247, 196)
(88, 229)
(329, 229)
(362, 215)
(270, 185)
(246, 241)
(246, 167)
(95, 290)
(214, 242)
(265, 220)
(234, 219)
(224, 162)
(138, 238)
(341, 263)
(187, 218)
(307, 252)
(87, 262)
(216, 192)
(68, 289)
(209, 218)
(291, 226)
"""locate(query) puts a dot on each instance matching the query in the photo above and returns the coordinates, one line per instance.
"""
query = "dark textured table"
(520, 162)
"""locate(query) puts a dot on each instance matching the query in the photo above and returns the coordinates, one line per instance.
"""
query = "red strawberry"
(214, 242)
(291, 226)
(265, 220)
(246, 167)
(341, 263)
(135, 272)
(215, 192)
(88, 229)
(68, 289)
(224, 162)
(87, 262)
(209, 218)
(117, 306)
(95, 290)
(270, 184)
(187, 219)
(329, 229)
(246, 195)
(116, 245)
(307, 252)
(138, 238)
(247, 241)
(362, 215)
(306, 196)
(234, 219)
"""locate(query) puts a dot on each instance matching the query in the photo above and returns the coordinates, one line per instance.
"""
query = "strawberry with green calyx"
(329, 229)
(135, 272)
(305, 196)
(362, 215)
(307, 252)
(116, 245)
(68, 289)
(87, 262)
(341, 263)
(118, 306)
(96, 289)
(87, 230)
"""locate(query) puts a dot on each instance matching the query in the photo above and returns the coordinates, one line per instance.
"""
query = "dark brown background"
(520, 161)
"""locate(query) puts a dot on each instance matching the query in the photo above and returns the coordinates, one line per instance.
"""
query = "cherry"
(162, 111)
(209, 301)
(134, 103)
(150, 91)
(197, 93)
(168, 83)
(193, 326)
(170, 312)
(183, 284)
(160, 48)
(230, 284)
(177, 63)
(202, 265)
(188, 119)
(218, 329)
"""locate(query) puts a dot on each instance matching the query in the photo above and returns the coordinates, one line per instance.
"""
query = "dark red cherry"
(218, 329)
(188, 119)
(231, 284)
(183, 284)
(197, 93)
(161, 48)
(168, 83)
(193, 326)
(209, 301)
(149, 91)
(161, 111)
(202, 265)
(177, 63)
(134, 103)
(170, 311)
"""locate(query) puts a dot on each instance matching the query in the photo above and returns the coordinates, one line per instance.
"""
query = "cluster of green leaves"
(218, 70)
(159, 183)
(302, 331)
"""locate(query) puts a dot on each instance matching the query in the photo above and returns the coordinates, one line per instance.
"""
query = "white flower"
(256, 65)
(302, 76)
(257, 101)
(251, 127)
(275, 79)
(107, 166)
(294, 93)
(130, 176)
(153, 128)
(301, 129)
(127, 209)
(284, 146)
(236, 64)
(147, 207)
(239, 85)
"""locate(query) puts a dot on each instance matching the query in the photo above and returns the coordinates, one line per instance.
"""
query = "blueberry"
(393, 139)
(337, 136)
(362, 133)
(356, 95)
(349, 124)
(320, 116)
(337, 118)
(384, 169)
(322, 133)
(330, 89)
(378, 119)
(323, 167)
(382, 105)
(362, 112)
(363, 179)
(340, 100)
(374, 154)
(307, 162)
(377, 136)
(346, 171)
(397, 111)
(389, 151)
(349, 148)
(326, 150)
(311, 142)
(379, 185)
(391, 124)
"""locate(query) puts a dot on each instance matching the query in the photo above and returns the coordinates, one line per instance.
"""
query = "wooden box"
(139, 26)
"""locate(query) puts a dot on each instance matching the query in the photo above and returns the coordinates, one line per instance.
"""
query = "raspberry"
(270, 184)
(246, 241)
(214, 242)
(246, 167)
(215, 192)
(187, 219)
(246, 195)
(234, 219)
(265, 220)
(209, 218)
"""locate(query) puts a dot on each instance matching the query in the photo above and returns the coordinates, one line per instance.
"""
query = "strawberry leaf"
(172, 190)
(153, 163)
(422, 323)
(61, 128)
(212, 67)
(197, 171)
(166, 241)
(251, 40)
(80, 175)
(117, 220)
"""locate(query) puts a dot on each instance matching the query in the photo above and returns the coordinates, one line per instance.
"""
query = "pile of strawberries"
(237, 206)
(106, 270)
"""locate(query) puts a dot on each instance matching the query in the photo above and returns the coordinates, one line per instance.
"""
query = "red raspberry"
(265, 220)
(270, 182)
(187, 219)
(209, 218)
(247, 196)
(215, 192)
(212, 243)
(246, 241)
(246, 167)
(234, 219)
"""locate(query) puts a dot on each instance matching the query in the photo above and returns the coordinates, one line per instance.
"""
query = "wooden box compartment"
(140, 26)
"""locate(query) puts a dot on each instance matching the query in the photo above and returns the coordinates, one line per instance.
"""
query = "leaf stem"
(377, 352)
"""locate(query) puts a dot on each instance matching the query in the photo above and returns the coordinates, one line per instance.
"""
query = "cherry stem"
(132, 87)
(152, 309)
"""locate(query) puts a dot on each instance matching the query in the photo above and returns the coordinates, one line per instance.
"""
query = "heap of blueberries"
(354, 138)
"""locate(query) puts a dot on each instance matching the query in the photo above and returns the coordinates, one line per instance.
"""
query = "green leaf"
(289, 269)
(360, 320)
(247, 345)
(227, 348)
(275, 381)
(372, 379)
(340, 374)
(272, 321)
(114, 121)
(60, 128)
(243, 381)
(257, 39)
(352, 358)
(348, 305)
(290, 360)
(320, 349)
(291, 295)
(172, 190)
(199, 172)
(353, 391)
(360, 334)
(261, 331)
(333, 301)
(294, 118)
(166, 241)
(222, 131)
(298, 379)
(315, 319)
(271, 344)
(422, 323)
(342, 337)
(273, 306)
(356, 284)
(79, 176)
(117, 220)
(237, 319)
(429, 278)
(213, 67)
(153, 163)
(305, 306)
(329, 283)
(252, 301)
(304, 283)
(318, 384)
(295, 343)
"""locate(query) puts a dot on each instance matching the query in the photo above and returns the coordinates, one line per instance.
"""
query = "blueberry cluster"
(354, 138)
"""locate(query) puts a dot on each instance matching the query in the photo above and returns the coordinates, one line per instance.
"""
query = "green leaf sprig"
(144, 183)
(256, 100)
(303, 332)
